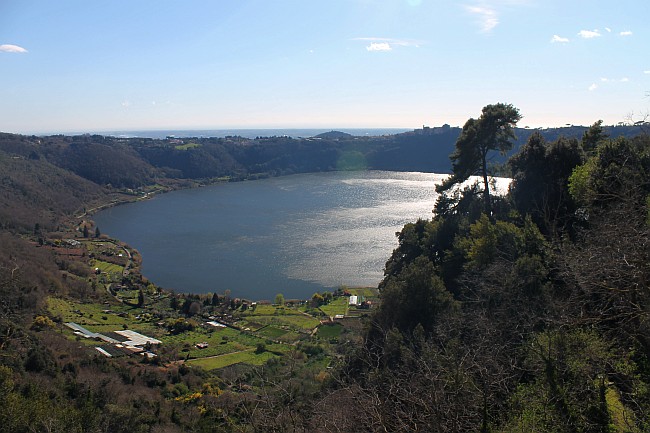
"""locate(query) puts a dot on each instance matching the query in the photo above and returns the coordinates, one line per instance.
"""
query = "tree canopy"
(493, 130)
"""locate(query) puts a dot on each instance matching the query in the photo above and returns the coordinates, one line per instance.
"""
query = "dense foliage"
(535, 320)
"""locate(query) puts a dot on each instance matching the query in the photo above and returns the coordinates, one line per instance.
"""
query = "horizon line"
(108, 132)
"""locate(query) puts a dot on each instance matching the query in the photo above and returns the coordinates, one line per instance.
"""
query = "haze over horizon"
(251, 64)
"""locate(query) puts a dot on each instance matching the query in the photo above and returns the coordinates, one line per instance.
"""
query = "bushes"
(180, 325)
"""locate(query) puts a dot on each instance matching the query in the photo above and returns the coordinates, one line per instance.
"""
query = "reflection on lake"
(293, 235)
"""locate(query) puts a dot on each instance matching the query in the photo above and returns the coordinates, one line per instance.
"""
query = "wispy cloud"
(589, 34)
(593, 87)
(626, 33)
(559, 39)
(487, 12)
(646, 71)
(487, 16)
(8, 48)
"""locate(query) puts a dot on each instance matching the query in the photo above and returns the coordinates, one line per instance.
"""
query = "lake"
(293, 235)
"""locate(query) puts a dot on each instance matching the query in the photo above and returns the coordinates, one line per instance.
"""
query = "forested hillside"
(35, 191)
(135, 162)
(516, 313)
(533, 317)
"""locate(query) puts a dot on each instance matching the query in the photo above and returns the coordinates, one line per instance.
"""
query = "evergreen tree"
(141, 298)
(540, 174)
(493, 130)
(593, 136)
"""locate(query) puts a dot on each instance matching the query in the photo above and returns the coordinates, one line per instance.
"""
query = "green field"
(187, 146)
(329, 331)
(296, 322)
(339, 306)
(271, 332)
(249, 325)
(366, 292)
(108, 268)
(280, 317)
(87, 314)
(247, 357)
(268, 310)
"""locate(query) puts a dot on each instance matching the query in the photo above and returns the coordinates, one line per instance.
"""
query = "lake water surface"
(293, 235)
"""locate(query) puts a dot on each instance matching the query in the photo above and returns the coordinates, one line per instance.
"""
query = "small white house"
(353, 300)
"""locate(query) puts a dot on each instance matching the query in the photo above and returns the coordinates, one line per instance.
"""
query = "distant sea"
(250, 133)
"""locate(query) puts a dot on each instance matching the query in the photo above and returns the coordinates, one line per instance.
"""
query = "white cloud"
(626, 33)
(488, 17)
(593, 87)
(387, 44)
(126, 104)
(624, 80)
(8, 48)
(647, 71)
(559, 39)
(379, 46)
(608, 29)
(589, 34)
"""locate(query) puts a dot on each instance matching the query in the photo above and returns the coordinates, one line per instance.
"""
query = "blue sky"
(104, 65)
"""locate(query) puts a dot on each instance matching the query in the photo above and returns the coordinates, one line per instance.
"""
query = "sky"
(90, 66)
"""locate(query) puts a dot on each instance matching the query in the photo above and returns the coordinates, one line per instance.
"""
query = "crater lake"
(293, 235)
